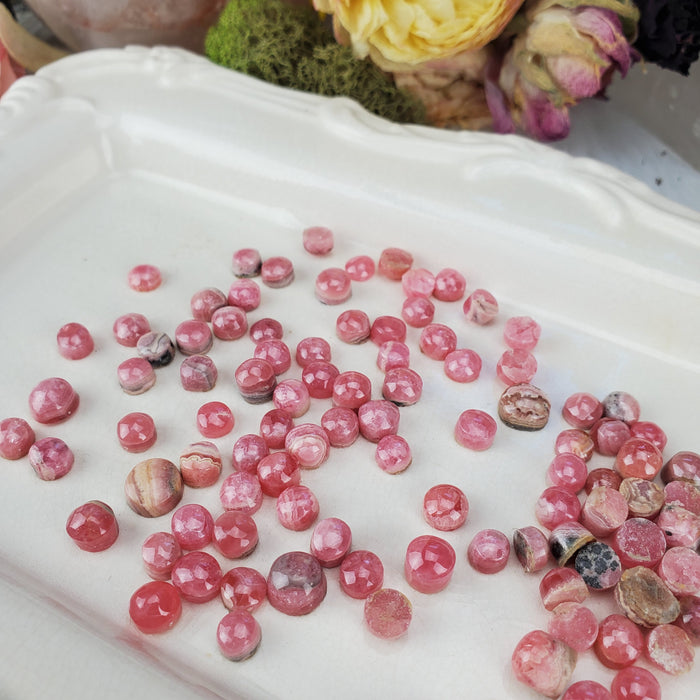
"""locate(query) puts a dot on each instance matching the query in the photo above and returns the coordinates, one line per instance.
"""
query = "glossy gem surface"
(475, 429)
(238, 635)
(361, 573)
(192, 526)
(296, 584)
(488, 551)
(235, 534)
(53, 401)
(93, 526)
(214, 419)
(74, 341)
(159, 552)
(197, 577)
(297, 508)
(331, 541)
(16, 437)
(445, 507)
(429, 563)
(635, 683)
(155, 607)
(153, 487)
(144, 278)
(51, 458)
(136, 432)
(243, 587)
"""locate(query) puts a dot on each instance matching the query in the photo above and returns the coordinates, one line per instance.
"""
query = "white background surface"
(152, 157)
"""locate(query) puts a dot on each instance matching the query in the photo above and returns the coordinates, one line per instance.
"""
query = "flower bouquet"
(506, 65)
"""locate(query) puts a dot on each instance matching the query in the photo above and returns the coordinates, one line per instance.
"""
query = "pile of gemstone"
(628, 535)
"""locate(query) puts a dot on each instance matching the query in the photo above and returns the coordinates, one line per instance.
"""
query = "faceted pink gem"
(292, 396)
(51, 458)
(394, 263)
(241, 491)
(246, 262)
(276, 472)
(680, 571)
(488, 551)
(531, 547)
(603, 511)
(274, 426)
(683, 493)
(127, 329)
(669, 648)
(229, 323)
(136, 432)
(557, 505)
(393, 354)
(568, 471)
(308, 443)
(418, 282)
(297, 508)
(155, 607)
(462, 365)
(53, 401)
(193, 337)
(277, 272)
(682, 465)
(586, 690)
(159, 552)
(192, 526)
(333, 286)
(393, 454)
(331, 541)
(621, 406)
(602, 477)
(361, 573)
(341, 426)
(639, 542)
(312, 349)
(197, 577)
(378, 419)
(562, 585)
(16, 437)
(198, 373)
(136, 375)
(582, 410)
(317, 240)
(619, 642)
(575, 625)
(296, 584)
(360, 268)
(403, 386)
(635, 683)
(609, 435)
(248, 450)
(386, 328)
(256, 380)
(144, 278)
(214, 419)
(418, 311)
(238, 635)
(516, 367)
(429, 563)
(638, 457)
(475, 429)
(319, 377)
(574, 441)
(445, 507)
(649, 431)
(93, 526)
(480, 307)
(205, 302)
(449, 285)
(266, 329)
(521, 333)
(352, 326)
(437, 341)
(351, 389)
(235, 534)
(245, 294)
(243, 587)
(276, 353)
(388, 613)
(74, 341)
(543, 663)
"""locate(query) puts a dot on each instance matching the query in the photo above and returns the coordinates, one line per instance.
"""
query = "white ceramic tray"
(115, 158)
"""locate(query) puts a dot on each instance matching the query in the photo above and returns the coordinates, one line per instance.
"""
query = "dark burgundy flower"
(669, 33)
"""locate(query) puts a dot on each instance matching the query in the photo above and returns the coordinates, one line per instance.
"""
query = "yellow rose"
(397, 33)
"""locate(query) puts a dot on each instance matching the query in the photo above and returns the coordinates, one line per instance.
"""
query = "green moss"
(291, 47)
